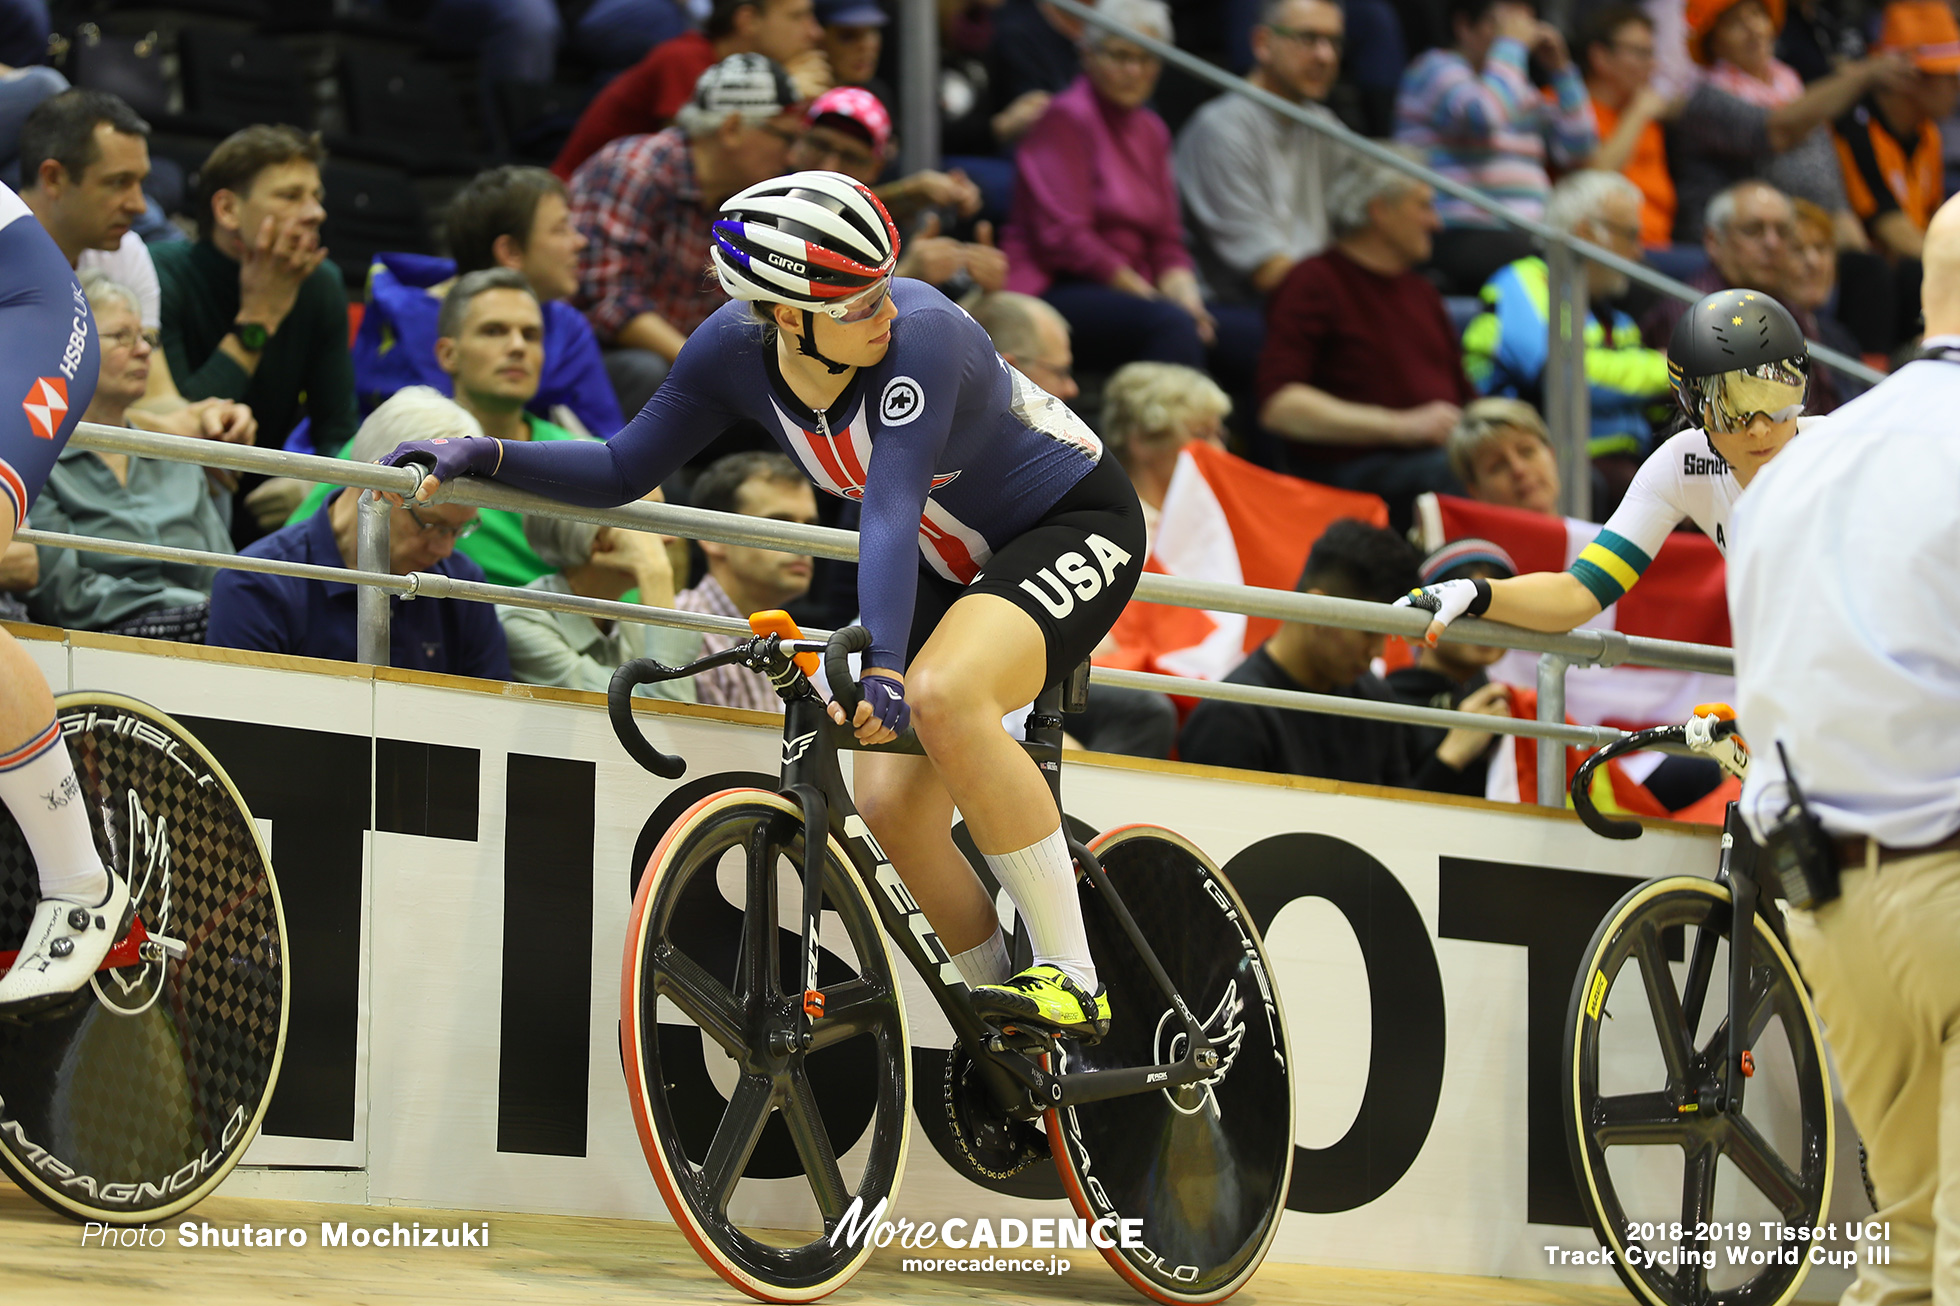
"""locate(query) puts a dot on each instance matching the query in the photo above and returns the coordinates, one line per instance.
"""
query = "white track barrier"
(415, 1068)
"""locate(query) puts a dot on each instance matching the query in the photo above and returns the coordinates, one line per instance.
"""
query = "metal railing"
(1567, 395)
(377, 583)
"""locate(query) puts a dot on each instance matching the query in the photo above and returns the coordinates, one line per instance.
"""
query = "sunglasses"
(1732, 401)
(867, 303)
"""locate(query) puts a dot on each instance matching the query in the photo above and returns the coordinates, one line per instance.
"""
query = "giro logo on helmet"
(788, 263)
(903, 401)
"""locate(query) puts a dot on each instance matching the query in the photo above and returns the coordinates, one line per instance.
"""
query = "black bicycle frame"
(1738, 872)
(812, 779)
(1747, 901)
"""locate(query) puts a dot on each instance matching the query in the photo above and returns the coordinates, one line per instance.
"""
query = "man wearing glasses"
(645, 204)
(1254, 183)
(313, 618)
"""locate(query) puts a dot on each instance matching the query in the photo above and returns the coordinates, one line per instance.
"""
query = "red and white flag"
(1225, 519)
(1680, 597)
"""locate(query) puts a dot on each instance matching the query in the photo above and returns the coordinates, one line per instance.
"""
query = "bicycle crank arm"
(1100, 1085)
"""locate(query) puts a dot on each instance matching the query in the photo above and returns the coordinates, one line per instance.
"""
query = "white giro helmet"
(811, 240)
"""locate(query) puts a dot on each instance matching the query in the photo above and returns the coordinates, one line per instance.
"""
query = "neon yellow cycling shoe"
(1045, 996)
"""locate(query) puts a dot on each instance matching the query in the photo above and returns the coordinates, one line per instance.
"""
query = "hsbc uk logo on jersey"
(46, 405)
(46, 401)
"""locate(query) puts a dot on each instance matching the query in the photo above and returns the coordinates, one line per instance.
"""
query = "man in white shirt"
(1254, 184)
(83, 157)
(1845, 597)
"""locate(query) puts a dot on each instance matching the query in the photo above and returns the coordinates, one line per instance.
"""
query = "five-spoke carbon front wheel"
(761, 1148)
(1690, 1197)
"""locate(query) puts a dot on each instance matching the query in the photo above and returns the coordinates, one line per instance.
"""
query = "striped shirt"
(731, 686)
(639, 204)
(1491, 130)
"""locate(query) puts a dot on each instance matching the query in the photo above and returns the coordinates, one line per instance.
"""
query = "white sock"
(1041, 880)
(37, 782)
(986, 964)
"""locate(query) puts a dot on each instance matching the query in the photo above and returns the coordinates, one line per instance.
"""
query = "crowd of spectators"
(1184, 268)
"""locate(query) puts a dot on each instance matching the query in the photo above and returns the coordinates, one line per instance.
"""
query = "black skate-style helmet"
(1735, 354)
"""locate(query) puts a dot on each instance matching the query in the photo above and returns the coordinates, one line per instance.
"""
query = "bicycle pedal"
(1013, 1038)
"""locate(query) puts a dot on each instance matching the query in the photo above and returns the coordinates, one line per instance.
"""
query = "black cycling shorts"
(49, 361)
(1073, 571)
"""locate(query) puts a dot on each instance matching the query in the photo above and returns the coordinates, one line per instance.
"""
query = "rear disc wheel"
(1204, 1168)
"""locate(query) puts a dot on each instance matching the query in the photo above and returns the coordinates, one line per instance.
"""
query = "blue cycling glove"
(887, 699)
(453, 456)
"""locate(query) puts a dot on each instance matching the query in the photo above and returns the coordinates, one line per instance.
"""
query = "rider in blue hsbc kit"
(49, 362)
(998, 546)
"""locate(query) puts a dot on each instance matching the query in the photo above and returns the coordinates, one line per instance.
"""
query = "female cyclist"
(49, 362)
(1740, 368)
(998, 545)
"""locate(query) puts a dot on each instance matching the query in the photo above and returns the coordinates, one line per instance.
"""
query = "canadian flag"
(1226, 520)
(46, 405)
(1680, 597)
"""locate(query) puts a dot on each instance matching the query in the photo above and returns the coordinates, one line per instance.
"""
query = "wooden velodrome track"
(543, 1259)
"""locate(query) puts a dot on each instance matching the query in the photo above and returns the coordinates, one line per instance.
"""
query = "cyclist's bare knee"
(947, 706)
(899, 797)
(986, 658)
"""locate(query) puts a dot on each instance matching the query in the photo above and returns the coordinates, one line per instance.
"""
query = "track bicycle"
(132, 1099)
(1656, 1064)
(778, 982)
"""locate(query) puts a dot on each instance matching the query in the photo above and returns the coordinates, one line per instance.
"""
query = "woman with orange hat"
(1752, 116)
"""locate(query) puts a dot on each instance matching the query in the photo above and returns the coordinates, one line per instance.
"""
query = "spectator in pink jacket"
(1095, 228)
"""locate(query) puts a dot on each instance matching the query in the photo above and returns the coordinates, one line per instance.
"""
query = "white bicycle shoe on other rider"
(64, 946)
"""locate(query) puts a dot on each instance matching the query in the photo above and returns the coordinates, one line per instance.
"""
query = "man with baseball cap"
(850, 131)
(647, 97)
(647, 203)
(1889, 143)
(853, 38)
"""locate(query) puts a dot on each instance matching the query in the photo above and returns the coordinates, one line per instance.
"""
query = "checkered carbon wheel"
(133, 1101)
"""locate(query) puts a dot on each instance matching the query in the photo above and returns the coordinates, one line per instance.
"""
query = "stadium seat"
(127, 66)
(233, 80)
(370, 209)
(533, 121)
(243, 11)
(407, 113)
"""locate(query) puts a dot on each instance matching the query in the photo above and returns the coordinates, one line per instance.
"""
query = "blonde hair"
(1482, 421)
(1144, 404)
(1815, 216)
(101, 289)
(1150, 17)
